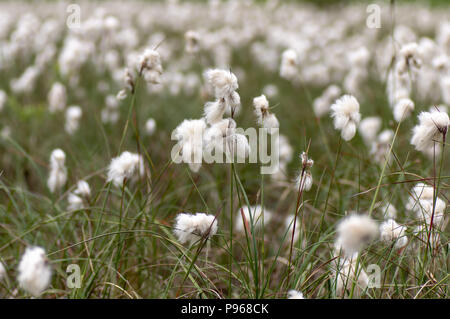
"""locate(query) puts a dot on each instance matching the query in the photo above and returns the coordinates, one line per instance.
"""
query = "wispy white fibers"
(34, 270)
(368, 129)
(432, 126)
(110, 113)
(128, 166)
(421, 203)
(225, 85)
(391, 232)
(73, 116)
(192, 39)
(346, 116)
(295, 294)
(192, 227)
(150, 66)
(252, 213)
(78, 198)
(288, 67)
(2, 271)
(304, 176)
(264, 117)
(3, 99)
(402, 109)
(189, 135)
(57, 97)
(58, 172)
(355, 232)
(150, 126)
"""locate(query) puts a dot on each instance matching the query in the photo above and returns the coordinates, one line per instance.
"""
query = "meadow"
(94, 98)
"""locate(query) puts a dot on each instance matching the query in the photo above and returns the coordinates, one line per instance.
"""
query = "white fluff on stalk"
(192, 227)
(3, 99)
(150, 126)
(295, 294)
(355, 232)
(346, 275)
(402, 109)
(80, 194)
(150, 66)
(57, 97)
(368, 128)
(192, 39)
(306, 179)
(431, 127)
(391, 232)
(127, 166)
(214, 111)
(264, 117)
(288, 67)
(389, 211)
(224, 82)
(58, 172)
(2, 271)
(256, 213)
(190, 136)
(73, 116)
(346, 116)
(289, 224)
(34, 270)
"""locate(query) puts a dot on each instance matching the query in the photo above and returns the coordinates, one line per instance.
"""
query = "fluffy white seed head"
(288, 67)
(252, 213)
(128, 166)
(150, 126)
(192, 227)
(369, 127)
(403, 109)
(34, 271)
(295, 294)
(192, 39)
(391, 232)
(73, 116)
(346, 116)
(58, 172)
(57, 97)
(355, 232)
(431, 127)
(214, 111)
(224, 82)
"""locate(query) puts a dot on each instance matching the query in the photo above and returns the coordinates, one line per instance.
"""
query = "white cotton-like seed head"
(355, 232)
(57, 97)
(192, 227)
(192, 39)
(369, 127)
(2, 271)
(121, 95)
(321, 106)
(150, 60)
(270, 90)
(306, 181)
(347, 275)
(224, 82)
(424, 211)
(270, 121)
(3, 99)
(420, 191)
(359, 58)
(261, 103)
(391, 232)
(34, 270)
(238, 147)
(295, 294)
(57, 158)
(346, 116)
(126, 166)
(189, 135)
(288, 67)
(381, 146)
(402, 109)
(285, 150)
(73, 116)
(332, 92)
(431, 127)
(150, 126)
(83, 189)
(75, 202)
(252, 213)
(389, 211)
(214, 111)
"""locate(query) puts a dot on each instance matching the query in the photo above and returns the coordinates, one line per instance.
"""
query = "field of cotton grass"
(106, 109)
